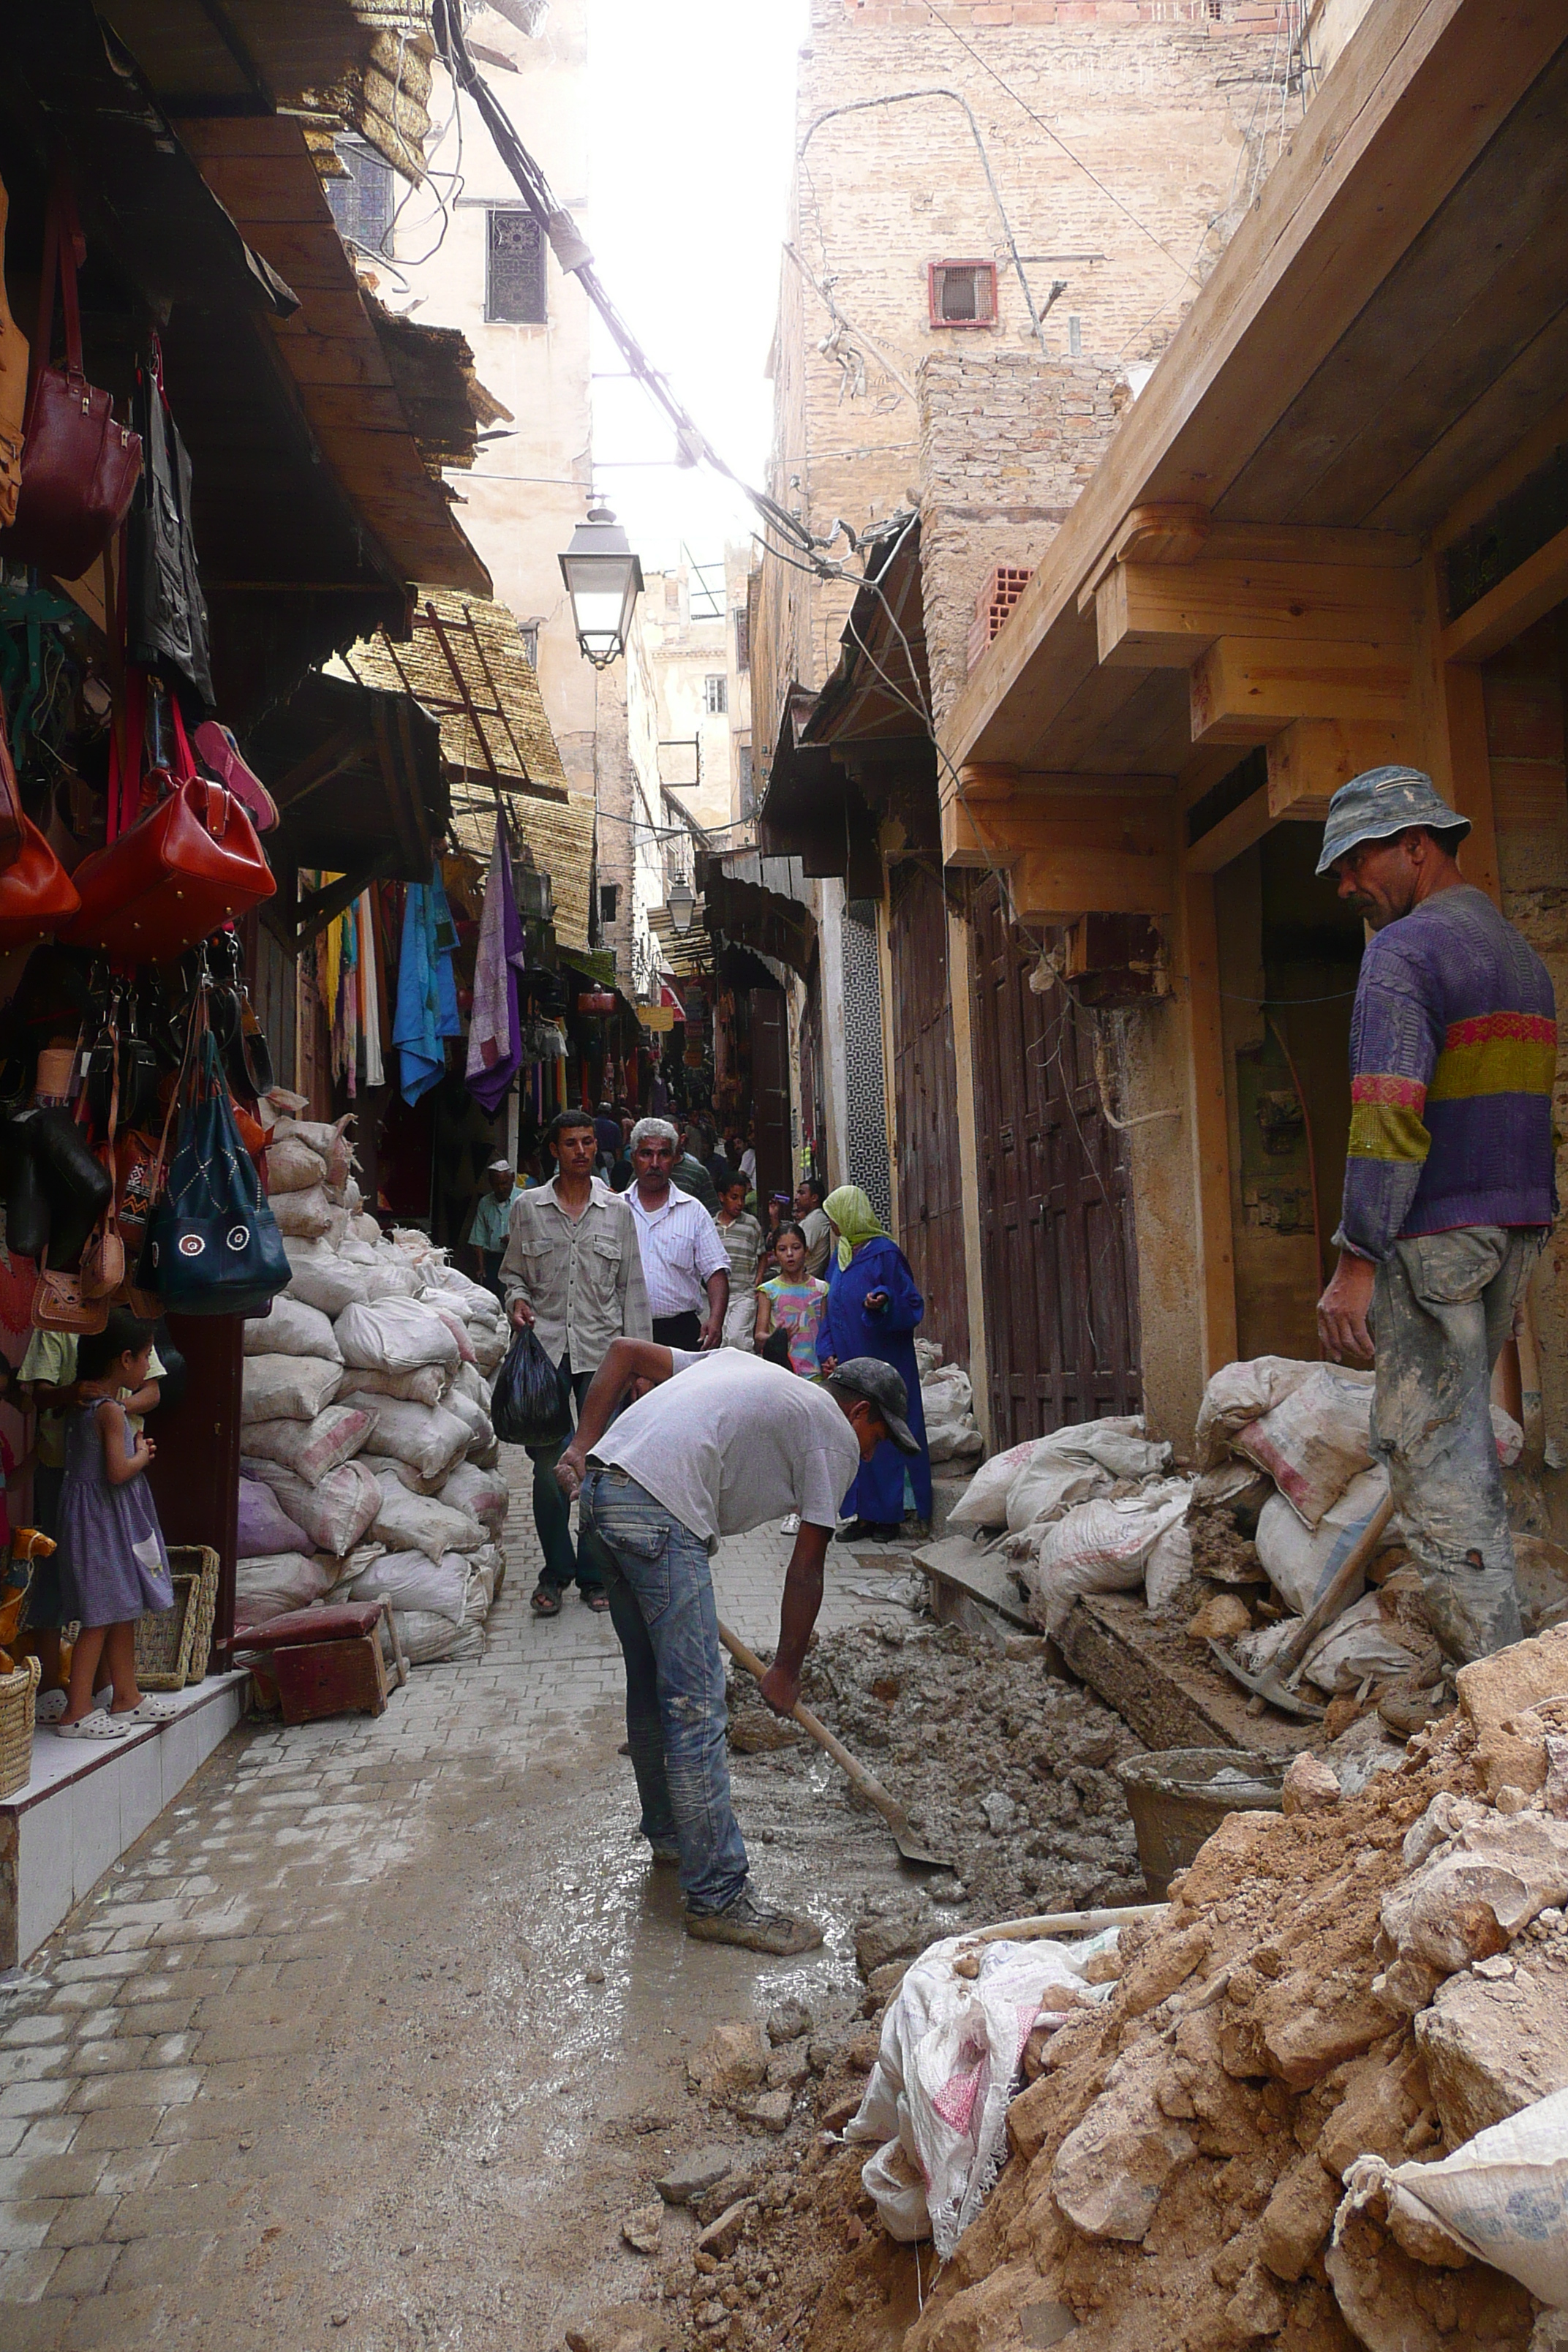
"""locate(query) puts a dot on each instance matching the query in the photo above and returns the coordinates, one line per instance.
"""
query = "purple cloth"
(494, 1029)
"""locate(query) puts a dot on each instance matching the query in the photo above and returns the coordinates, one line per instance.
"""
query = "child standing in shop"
(115, 1563)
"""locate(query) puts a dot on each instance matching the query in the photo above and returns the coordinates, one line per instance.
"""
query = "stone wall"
(1007, 445)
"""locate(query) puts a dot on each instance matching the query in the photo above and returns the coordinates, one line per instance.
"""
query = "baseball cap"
(499, 1168)
(880, 1386)
(1382, 801)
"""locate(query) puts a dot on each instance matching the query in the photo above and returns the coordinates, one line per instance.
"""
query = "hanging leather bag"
(79, 467)
(102, 1267)
(59, 1303)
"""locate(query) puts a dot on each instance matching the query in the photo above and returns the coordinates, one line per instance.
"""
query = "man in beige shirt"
(573, 1272)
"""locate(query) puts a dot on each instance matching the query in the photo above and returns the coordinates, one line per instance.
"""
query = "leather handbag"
(59, 1303)
(101, 1269)
(213, 1244)
(10, 796)
(79, 467)
(38, 896)
(190, 864)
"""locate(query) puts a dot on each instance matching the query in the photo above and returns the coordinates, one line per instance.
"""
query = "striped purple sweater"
(1453, 1054)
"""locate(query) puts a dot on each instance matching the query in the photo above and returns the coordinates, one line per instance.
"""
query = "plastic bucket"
(1178, 1798)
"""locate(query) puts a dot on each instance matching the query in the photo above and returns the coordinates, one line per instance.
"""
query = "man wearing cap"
(719, 1444)
(1450, 1184)
(487, 1233)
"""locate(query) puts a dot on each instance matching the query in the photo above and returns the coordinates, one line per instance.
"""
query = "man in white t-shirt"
(718, 1445)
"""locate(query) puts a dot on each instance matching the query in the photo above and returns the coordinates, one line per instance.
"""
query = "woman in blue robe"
(873, 1307)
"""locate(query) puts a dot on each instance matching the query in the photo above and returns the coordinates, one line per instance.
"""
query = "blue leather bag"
(213, 1245)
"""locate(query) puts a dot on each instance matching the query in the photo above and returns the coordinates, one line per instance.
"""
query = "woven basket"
(18, 1693)
(164, 1641)
(201, 1562)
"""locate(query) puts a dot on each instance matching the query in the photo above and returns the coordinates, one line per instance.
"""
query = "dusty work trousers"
(667, 1621)
(1442, 1306)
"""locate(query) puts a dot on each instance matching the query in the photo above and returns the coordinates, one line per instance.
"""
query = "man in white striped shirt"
(686, 1267)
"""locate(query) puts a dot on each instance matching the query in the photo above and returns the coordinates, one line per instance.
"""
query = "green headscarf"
(855, 1219)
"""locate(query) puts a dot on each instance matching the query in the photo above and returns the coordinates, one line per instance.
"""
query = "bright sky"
(694, 115)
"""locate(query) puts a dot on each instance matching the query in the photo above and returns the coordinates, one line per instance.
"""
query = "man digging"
(1450, 1184)
(718, 1445)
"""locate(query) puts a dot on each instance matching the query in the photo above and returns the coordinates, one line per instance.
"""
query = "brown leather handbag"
(79, 467)
(59, 1303)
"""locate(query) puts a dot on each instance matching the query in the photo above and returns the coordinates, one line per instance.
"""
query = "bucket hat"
(1382, 802)
(864, 1376)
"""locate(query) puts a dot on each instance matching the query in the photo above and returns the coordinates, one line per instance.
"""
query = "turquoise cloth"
(427, 991)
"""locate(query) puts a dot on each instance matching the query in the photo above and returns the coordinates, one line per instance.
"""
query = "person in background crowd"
(776, 1212)
(690, 1175)
(747, 1163)
(573, 1274)
(607, 1128)
(488, 1231)
(790, 1307)
(685, 1265)
(813, 1224)
(743, 1237)
(873, 1307)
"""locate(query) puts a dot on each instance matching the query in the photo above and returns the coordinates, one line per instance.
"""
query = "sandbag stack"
(368, 1458)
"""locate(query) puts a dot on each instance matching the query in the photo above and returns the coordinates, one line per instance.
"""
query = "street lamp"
(683, 904)
(604, 580)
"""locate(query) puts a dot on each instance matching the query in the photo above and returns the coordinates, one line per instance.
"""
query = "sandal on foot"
(147, 1710)
(545, 1600)
(598, 1602)
(746, 1923)
(93, 1727)
(51, 1706)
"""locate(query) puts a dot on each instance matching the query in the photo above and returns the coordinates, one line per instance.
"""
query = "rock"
(1023, 1649)
(773, 2110)
(1387, 2301)
(999, 1812)
(625, 2327)
(594, 1974)
(1112, 2169)
(640, 2228)
(788, 2068)
(1296, 2218)
(1257, 2307)
(886, 1980)
(1382, 2101)
(1311, 1786)
(1220, 1617)
(757, 1731)
(722, 2237)
(899, 1937)
(1482, 1888)
(1495, 1691)
(789, 2021)
(732, 2061)
(1162, 1966)
(839, 2111)
(1493, 2047)
(1307, 2026)
(695, 2174)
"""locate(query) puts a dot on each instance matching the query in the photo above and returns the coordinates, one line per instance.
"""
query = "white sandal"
(93, 1727)
(148, 1710)
(54, 1703)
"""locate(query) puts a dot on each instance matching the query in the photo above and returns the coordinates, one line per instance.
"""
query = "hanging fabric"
(370, 992)
(427, 991)
(495, 1041)
(166, 612)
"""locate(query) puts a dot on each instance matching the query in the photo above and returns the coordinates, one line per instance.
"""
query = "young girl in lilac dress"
(792, 1301)
(115, 1565)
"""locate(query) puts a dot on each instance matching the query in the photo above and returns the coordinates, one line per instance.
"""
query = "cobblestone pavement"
(376, 2033)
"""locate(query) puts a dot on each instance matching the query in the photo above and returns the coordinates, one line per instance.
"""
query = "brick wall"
(1007, 445)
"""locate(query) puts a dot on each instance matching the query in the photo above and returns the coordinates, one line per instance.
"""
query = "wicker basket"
(164, 1640)
(201, 1562)
(18, 1693)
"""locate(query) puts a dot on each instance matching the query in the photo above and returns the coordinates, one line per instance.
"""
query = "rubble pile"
(368, 1458)
(1359, 1983)
(1005, 1768)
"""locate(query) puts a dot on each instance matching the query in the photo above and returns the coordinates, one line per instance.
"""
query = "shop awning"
(756, 901)
(467, 663)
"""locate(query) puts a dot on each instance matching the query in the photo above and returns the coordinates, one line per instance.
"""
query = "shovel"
(1273, 1683)
(870, 1788)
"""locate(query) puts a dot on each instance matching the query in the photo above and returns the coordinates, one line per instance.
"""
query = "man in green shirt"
(487, 1233)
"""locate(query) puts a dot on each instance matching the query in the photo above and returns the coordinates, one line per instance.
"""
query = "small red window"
(961, 293)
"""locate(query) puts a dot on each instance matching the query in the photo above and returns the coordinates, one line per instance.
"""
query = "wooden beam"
(1515, 605)
(1060, 883)
(1232, 836)
(1080, 812)
(1161, 615)
(1310, 761)
(1209, 1124)
(1244, 689)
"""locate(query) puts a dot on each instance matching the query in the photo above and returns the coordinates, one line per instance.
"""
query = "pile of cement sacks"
(368, 1458)
(947, 1400)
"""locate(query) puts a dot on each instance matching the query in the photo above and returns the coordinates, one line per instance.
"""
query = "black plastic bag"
(530, 1403)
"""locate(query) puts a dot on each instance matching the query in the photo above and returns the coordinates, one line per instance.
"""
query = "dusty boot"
(1472, 1609)
(747, 1924)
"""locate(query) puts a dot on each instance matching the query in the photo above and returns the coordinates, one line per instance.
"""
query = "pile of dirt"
(1003, 1767)
(1384, 1974)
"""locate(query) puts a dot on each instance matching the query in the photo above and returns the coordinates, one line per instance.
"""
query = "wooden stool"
(327, 1661)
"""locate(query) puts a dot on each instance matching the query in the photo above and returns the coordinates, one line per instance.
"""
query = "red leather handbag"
(37, 895)
(192, 861)
(79, 467)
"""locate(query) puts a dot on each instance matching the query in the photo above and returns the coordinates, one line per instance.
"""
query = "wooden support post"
(1463, 718)
(1311, 759)
(1208, 1124)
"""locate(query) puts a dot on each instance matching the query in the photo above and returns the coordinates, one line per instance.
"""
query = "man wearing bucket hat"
(1449, 1184)
(721, 1442)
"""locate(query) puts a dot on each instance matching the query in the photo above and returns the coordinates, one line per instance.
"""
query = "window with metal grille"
(528, 633)
(362, 203)
(961, 293)
(514, 270)
(716, 695)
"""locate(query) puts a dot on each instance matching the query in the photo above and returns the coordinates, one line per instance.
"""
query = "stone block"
(732, 2062)
(695, 2174)
(1493, 2046)
(722, 2237)
(1496, 1692)
(1110, 2172)
(1296, 2218)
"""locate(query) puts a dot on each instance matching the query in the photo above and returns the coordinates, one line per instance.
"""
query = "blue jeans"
(552, 1513)
(662, 1608)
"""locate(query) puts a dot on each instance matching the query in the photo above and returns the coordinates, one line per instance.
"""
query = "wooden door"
(770, 1089)
(1056, 1214)
(925, 1105)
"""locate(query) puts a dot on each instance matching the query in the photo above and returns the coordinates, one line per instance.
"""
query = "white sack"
(1075, 1463)
(427, 1639)
(473, 1301)
(1503, 2197)
(291, 1166)
(429, 1441)
(984, 1503)
(1314, 1441)
(427, 1386)
(407, 1522)
(1169, 1566)
(474, 1417)
(291, 1329)
(947, 1391)
(489, 1347)
(456, 1325)
(1300, 1562)
(309, 1448)
(954, 1441)
(1360, 1642)
(304, 1216)
(486, 1568)
(950, 2054)
(387, 1466)
(409, 1579)
(345, 1573)
(470, 1383)
(362, 1226)
(287, 1388)
(274, 1584)
(336, 1513)
(1239, 1393)
(324, 1279)
(482, 1494)
(391, 1282)
(1100, 1547)
(320, 1134)
(395, 1335)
